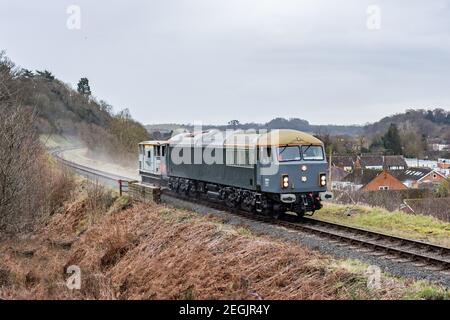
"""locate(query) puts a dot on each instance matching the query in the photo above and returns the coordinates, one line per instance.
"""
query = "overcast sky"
(253, 60)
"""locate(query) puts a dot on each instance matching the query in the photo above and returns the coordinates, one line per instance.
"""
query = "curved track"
(106, 178)
(396, 248)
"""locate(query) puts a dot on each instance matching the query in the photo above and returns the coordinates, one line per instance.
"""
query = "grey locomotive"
(268, 173)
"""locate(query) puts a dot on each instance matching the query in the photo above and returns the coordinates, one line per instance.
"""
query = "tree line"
(59, 109)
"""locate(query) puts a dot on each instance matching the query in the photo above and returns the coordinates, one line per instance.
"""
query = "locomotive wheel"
(231, 204)
(278, 212)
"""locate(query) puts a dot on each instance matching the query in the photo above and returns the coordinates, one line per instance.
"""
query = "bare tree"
(24, 175)
(20, 156)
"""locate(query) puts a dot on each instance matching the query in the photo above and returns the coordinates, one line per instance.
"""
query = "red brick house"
(414, 177)
(411, 178)
(384, 181)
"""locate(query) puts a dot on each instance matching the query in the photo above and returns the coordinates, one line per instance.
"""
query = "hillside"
(134, 251)
(277, 123)
(434, 124)
(61, 110)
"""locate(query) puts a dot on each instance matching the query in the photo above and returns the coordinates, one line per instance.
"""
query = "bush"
(442, 190)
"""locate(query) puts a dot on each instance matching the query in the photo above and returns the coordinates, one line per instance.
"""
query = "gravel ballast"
(333, 248)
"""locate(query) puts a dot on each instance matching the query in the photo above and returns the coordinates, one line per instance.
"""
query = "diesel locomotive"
(268, 173)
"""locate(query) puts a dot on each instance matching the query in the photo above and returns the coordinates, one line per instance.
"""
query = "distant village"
(384, 172)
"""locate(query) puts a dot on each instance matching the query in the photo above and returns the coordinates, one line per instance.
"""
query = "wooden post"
(120, 187)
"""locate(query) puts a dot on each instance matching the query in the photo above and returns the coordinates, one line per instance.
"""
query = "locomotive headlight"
(304, 168)
(323, 180)
(285, 181)
(304, 179)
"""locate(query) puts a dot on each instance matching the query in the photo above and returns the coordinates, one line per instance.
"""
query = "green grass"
(243, 231)
(391, 287)
(424, 290)
(398, 223)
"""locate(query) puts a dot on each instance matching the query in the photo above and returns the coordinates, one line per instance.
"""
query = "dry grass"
(156, 252)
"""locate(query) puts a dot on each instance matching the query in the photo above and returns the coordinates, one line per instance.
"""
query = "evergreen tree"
(83, 87)
(234, 123)
(27, 74)
(47, 75)
(392, 141)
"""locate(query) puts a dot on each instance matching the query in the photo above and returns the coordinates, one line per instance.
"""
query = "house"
(338, 174)
(356, 180)
(414, 162)
(440, 147)
(384, 181)
(392, 163)
(443, 163)
(337, 178)
(411, 178)
(361, 177)
(346, 163)
(369, 162)
(444, 166)
(379, 162)
(415, 177)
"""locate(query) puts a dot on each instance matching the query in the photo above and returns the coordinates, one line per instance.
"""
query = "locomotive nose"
(303, 177)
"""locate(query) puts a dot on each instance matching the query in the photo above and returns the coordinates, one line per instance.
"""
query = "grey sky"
(252, 60)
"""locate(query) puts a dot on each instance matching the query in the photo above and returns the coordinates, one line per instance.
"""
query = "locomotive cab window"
(312, 152)
(265, 155)
(289, 154)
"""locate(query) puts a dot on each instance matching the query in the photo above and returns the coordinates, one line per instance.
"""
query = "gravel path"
(404, 269)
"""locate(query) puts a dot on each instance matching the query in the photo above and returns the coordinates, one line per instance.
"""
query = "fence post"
(120, 187)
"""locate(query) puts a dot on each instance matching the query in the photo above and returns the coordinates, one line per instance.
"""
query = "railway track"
(401, 250)
(397, 248)
(111, 180)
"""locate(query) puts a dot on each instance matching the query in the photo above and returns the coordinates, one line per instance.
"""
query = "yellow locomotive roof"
(280, 137)
(242, 139)
(287, 137)
(153, 143)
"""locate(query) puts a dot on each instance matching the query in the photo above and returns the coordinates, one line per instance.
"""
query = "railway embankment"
(128, 250)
